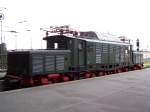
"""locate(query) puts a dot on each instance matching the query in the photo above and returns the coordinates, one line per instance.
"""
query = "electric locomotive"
(71, 55)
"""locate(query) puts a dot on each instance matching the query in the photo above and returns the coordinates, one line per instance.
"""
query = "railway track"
(3, 87)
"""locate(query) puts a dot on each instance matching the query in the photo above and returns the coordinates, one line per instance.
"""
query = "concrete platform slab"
(123, 92)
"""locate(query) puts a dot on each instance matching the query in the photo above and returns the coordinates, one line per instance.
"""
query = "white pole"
(1, 33)
(15, 42)
(30, 42)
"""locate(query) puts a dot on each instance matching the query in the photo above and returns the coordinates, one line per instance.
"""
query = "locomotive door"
(81, 53)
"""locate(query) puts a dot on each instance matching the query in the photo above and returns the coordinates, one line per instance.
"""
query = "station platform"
(122, 92)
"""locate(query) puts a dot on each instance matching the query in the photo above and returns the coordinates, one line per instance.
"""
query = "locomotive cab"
(75, 45)
(57, 42)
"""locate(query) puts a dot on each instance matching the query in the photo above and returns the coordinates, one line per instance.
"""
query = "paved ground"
(123, 92)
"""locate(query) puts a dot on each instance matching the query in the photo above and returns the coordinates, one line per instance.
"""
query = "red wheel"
(66, 78)
(134, 68)
(44, 81)
(119, 70)
(100, 73)
(87, 75)
(27, 82)
(105, 73)
(93, 75)
(126, 70)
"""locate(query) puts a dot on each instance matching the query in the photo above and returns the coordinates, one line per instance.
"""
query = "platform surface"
(123, 92)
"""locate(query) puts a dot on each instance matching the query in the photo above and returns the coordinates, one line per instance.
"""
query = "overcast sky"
(130, 18)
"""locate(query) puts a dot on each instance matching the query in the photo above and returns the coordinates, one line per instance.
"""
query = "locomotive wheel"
(54, 78)
(93, 75)
(105, 73)
(119, 70)
(65, 78)
(126, 70)
(27, 82)
(87, 75)
(44, 81)
(100, 73)
(134, 68)
(108, 73)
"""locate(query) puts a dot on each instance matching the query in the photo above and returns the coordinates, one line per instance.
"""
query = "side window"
(56, 45)
(57, 42)
(126, 51)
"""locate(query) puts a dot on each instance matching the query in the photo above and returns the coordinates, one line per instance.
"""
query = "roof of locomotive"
(51, 36)
(92, 36)
(102, 38)
(34, 51)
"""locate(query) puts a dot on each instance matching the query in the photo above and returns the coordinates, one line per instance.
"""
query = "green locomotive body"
(72, 57)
